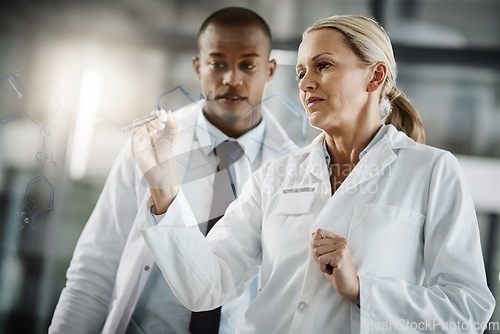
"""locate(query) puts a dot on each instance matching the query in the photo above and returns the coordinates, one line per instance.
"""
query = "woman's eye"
(300, 75)
(323, 66)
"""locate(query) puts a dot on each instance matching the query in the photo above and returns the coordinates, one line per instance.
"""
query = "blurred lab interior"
(73, 73)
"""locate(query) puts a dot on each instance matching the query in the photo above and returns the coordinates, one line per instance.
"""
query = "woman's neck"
(344, 147)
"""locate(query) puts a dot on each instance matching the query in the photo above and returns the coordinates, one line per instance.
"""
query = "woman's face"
(333, 82)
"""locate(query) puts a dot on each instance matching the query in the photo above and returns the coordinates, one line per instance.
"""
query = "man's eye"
(216, 65)
(248, 66)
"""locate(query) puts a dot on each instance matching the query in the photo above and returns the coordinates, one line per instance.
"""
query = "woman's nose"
(307, 82)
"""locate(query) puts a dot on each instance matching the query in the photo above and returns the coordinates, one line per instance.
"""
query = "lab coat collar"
(398, 139)
(378, 158)
(314, 159)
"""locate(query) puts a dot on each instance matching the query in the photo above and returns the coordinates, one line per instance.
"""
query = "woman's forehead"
(322, 41)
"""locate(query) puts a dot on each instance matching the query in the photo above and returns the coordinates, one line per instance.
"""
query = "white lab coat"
(111, 263)
(407, 214)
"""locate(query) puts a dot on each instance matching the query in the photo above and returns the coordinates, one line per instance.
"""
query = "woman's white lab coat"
(409, 220)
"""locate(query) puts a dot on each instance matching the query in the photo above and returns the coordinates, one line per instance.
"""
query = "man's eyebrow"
(249, 55)
(216, 54)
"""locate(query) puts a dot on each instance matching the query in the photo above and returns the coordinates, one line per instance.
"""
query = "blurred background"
(72, 73)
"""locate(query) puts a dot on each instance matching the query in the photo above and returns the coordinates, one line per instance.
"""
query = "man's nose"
(232, 77)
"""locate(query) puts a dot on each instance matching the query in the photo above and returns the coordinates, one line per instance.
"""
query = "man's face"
(233, 68)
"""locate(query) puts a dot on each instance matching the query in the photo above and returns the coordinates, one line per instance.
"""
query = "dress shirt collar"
(380, 133)
(251, 142)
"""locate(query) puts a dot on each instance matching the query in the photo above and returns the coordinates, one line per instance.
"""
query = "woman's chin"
(314, 121)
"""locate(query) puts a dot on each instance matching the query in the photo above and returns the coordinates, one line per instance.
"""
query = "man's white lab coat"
(409, 219)
(111, 263)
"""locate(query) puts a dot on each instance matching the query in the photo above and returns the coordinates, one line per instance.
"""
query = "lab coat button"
(302, 307)
(146, 268)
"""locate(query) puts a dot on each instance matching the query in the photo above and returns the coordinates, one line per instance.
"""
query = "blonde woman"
(365, 230)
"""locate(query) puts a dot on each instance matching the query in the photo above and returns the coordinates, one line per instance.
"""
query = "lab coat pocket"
(387, 241)
(285, 230)
(295, 201)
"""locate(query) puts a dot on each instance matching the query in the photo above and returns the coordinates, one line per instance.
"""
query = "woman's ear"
(378, 77)
(196, 66)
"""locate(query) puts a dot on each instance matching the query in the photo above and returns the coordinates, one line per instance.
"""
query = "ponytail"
(404, 116)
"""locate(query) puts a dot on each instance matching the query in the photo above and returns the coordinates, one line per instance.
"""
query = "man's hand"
(332, 253)
(154, 147)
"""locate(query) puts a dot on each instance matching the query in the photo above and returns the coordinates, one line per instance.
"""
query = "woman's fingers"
(328, 234)
(323, 245)
(333, 255)
(325, 249)
(154, 146)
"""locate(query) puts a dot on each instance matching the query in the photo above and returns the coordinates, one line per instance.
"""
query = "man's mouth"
(230, 97)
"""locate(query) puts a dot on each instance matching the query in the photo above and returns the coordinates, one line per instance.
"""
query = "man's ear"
(271, 68)
(196, 66)
(378, 77)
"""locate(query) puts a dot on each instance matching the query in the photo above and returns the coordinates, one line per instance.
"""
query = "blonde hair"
(369, 41)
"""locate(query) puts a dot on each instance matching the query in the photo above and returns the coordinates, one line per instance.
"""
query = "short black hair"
(233, 17)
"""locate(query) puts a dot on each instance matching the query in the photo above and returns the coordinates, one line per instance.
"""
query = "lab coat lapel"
(378, 159)
(373, 163)
(315, 163)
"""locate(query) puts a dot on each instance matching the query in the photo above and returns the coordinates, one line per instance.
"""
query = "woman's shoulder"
(429, 155)
(417, 153)
(399, 140)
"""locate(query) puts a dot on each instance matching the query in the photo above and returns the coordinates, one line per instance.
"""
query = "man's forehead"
(233, 50)
(249, 36)
(220, 29)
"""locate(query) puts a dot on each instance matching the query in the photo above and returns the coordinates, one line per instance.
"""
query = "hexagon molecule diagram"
(38, 198)
(11, 98)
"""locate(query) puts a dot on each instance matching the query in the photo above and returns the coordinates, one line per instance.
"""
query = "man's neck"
(238, 128)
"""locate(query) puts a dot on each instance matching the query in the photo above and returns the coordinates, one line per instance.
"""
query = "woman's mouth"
(313, 100)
